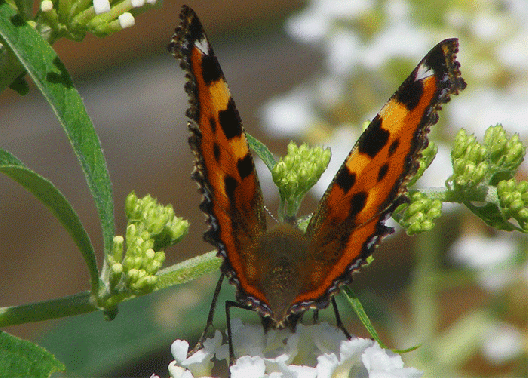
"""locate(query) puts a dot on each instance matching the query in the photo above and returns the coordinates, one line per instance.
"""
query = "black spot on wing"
(394, 146)
(230, 185)
(230, 120)
(436, 60)
(195, 29)
(212, 124)
(216, 152)
(374, 138)
(410, 92)
(211, 70)
(357, 203)
(383, 172)
(345, 179)
(245, 166)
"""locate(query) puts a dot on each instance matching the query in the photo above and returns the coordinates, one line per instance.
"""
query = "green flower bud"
(132, 275)
(476, 153)
(132, 206)
(297, 172)
(117, 248)
(116, 272)
(420, 213)
(462, 141)
(523, 213)
(515, 153)
(117, 268)
(495, 140)
(513, 198)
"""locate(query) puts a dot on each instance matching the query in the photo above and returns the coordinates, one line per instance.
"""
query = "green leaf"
(20, 85)
(53, 80)
(21, 358)
(262, 151)
(362, 315)
(50, 196)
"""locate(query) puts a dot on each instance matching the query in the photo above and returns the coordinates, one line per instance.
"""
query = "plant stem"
(76, 304)
(424, 287)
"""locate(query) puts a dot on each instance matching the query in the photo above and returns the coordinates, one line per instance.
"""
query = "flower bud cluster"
(298, 171)
(74, 18)
(151, 227)
(513, 198)
(488, 163)
(420, 214)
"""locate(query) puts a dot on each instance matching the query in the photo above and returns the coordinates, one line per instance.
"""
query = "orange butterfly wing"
(224, 168)
(370, 184)
(349, 222)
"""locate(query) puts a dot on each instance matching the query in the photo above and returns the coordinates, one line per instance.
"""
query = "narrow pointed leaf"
(53, 80)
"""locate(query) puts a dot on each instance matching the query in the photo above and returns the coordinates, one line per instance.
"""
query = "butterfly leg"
(199, 343)
(339, 323)
(315, 316)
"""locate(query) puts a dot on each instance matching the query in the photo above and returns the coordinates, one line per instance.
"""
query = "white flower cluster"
(312, 351)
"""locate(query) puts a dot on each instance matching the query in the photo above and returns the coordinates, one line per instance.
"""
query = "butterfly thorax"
(282, 252)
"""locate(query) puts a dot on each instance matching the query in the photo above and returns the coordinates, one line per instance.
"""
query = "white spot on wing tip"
(202, 45)
(423, 72)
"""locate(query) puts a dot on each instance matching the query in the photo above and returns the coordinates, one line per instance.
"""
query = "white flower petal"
(376, 358)
(352, 350)
(101, 6)
(326, 364)
(247, 366)
(382, 363)
(176, 371)
(46, 5)
(312, 351)
(179, 349)
(126, 20)
(199, 363)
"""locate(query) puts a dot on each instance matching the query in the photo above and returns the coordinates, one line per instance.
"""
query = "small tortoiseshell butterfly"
(278, 270)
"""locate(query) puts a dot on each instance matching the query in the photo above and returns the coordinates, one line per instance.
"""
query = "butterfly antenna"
(270, 214)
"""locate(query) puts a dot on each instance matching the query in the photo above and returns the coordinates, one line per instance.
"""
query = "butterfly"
(278, 270)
